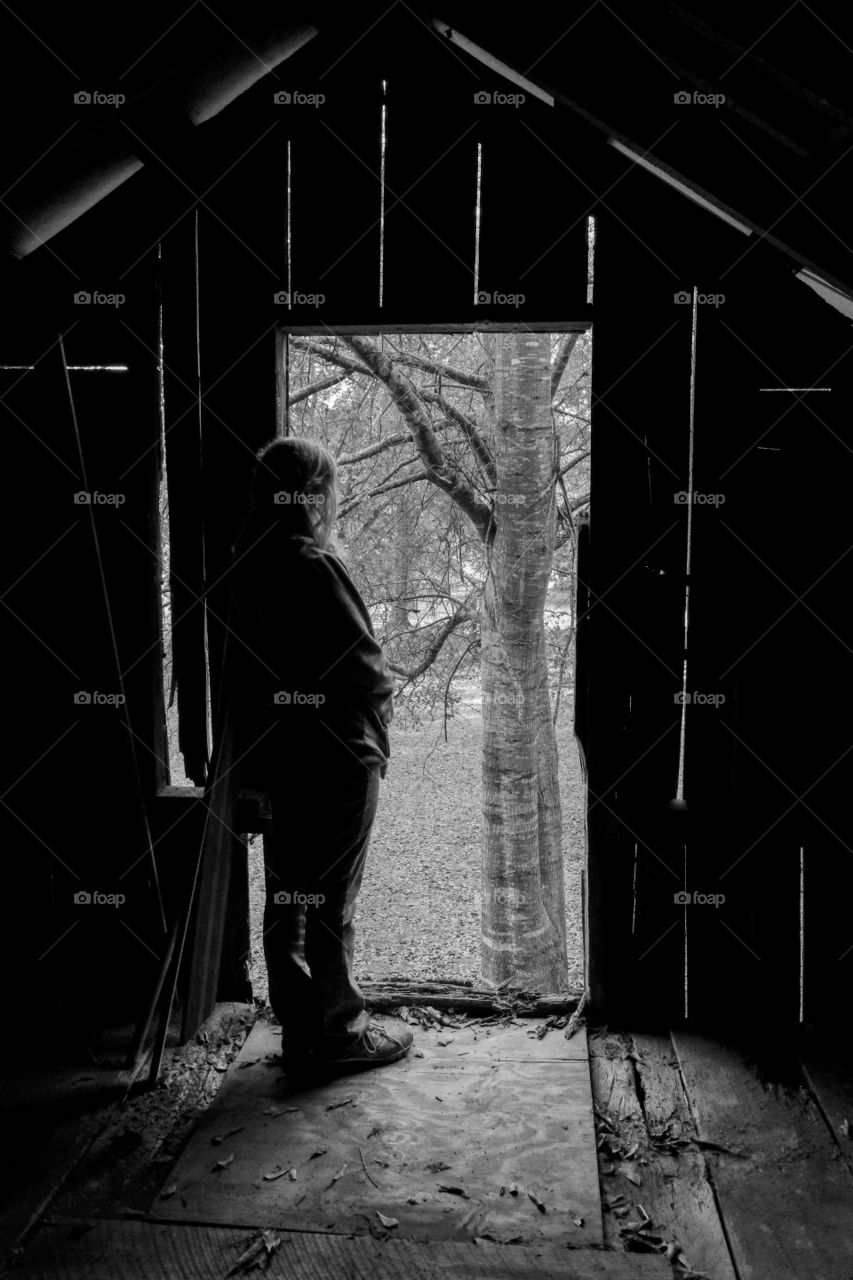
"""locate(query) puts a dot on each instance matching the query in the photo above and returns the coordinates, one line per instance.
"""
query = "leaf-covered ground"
(418, 912)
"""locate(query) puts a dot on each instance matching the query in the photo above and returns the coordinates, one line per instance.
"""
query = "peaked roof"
(747, 109)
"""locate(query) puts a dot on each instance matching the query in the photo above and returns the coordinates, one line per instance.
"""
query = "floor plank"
(785, 1196)
(828, 1071)
(685, 1200)
(147, 1251)
(477, 1122)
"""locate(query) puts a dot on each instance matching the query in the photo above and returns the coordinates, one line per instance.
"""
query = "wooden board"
(639, 1099)
(145, 1251)
(828, 1071)
(508, 1108)
(786, 1199)
(684, 1197)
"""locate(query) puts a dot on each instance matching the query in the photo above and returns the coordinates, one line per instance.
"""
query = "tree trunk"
(524, 939)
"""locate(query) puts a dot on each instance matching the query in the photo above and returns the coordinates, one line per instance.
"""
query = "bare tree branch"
(437, 468)
(563, 354)
(313, 387)
(436, 644)
(448, 371)
(470, 430)
(329, 354)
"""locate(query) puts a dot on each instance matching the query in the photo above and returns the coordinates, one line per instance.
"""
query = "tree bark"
(523, 917)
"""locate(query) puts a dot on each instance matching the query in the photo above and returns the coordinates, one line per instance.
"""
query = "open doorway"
(422, 565)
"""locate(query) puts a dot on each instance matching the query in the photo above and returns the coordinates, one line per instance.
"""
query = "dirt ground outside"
(418, 913)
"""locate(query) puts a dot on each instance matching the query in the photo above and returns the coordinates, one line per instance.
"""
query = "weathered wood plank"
(477, 1122)
(829, 1075)
(785, 1198)
(140, 1251)
(640, 1096)
(390, 994)
(684, 1202)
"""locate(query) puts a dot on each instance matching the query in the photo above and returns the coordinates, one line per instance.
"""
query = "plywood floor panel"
(377, 1141)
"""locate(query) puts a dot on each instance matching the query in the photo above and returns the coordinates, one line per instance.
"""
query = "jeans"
(315, 855)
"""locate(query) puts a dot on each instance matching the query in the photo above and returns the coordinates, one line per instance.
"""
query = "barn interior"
(177, 190)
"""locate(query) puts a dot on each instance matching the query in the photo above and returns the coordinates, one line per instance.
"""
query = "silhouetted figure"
(313, 705)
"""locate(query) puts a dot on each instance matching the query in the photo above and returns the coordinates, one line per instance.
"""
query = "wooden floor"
(652, 1155)
(449, 1143)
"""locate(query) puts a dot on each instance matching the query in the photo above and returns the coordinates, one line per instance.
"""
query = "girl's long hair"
(293, 493)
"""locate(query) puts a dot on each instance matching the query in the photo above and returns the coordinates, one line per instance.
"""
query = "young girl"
(313, 697)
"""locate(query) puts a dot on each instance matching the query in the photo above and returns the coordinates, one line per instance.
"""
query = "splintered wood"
(434, 1145)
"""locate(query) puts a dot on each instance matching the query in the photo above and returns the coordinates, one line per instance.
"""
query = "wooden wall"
(209, 229)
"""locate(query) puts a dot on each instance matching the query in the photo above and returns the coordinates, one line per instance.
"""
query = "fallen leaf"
(387, 1222)
(321, 1151)
(340, 1173)
(258, 1254)
(436, 1166)
(453, 1191)
(334, 1105)
(632, 1177)
(844, 1128)
(279, 1173)
(222, 1164)
(220, 1137)
(443, 1043)
(170, 1191)
(539, 1205)
(578, 1222)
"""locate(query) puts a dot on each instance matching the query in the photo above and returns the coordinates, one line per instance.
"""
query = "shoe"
(376, 1048)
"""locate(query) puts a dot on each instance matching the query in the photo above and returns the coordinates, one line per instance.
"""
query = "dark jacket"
(307, 665)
